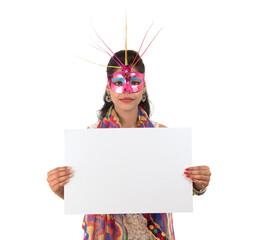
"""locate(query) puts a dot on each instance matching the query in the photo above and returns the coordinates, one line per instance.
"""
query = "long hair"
(140, 67)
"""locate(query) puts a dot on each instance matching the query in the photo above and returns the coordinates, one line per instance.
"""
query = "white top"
(135, 224)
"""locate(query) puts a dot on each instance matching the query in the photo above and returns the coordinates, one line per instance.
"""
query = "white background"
(199, 75)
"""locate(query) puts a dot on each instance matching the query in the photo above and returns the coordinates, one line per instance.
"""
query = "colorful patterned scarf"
(111, 119)
(110, 226)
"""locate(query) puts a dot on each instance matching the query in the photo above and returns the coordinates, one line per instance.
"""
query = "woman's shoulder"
(94, 125)
(157, 125)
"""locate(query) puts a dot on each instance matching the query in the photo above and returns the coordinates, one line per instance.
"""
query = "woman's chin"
(126, 106)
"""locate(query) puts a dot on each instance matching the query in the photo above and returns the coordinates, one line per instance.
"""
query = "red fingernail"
(193, 180)
(186, 172)
(187, 169)
(188, 176)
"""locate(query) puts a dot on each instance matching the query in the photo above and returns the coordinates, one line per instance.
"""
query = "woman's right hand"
(57, 178)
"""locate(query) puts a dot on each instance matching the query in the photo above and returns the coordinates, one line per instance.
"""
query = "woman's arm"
(200, 176)
(57, 178)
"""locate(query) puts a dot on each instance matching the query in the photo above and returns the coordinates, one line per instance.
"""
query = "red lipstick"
(126, 99)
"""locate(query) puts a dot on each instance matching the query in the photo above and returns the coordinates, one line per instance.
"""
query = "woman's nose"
(127, 88)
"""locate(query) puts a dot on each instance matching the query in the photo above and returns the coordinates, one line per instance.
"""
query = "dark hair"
(140, 67)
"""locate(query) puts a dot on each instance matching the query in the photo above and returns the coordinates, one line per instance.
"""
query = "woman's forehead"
(120, 70)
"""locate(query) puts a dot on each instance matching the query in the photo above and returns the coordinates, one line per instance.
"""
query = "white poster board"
(128, 170)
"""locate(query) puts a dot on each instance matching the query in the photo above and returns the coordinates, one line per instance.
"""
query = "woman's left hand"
(200, 176)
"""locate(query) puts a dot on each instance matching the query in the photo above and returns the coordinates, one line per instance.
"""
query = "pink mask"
(126, 81)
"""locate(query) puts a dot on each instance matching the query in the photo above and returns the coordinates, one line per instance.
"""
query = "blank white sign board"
(128, 170)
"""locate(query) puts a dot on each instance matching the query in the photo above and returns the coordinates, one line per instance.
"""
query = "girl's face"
(126, 101)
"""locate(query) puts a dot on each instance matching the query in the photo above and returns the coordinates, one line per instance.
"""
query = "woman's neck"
(129, 118)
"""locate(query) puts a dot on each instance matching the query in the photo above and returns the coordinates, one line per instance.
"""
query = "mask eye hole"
(135, 81)
(118, 81)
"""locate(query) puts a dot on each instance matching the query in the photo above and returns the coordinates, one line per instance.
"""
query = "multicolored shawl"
(110, 226)
(111, 119)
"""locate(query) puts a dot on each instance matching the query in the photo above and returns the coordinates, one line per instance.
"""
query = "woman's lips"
(126, 99)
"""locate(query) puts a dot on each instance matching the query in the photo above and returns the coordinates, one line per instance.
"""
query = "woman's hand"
(57, 178)
(200, 176)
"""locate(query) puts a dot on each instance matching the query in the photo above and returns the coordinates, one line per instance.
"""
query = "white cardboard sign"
(128, 170)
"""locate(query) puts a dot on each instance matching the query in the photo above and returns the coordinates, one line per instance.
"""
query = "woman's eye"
(135, 82)
(118, 83)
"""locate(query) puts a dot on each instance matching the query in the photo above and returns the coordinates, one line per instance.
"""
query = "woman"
(126, 105)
